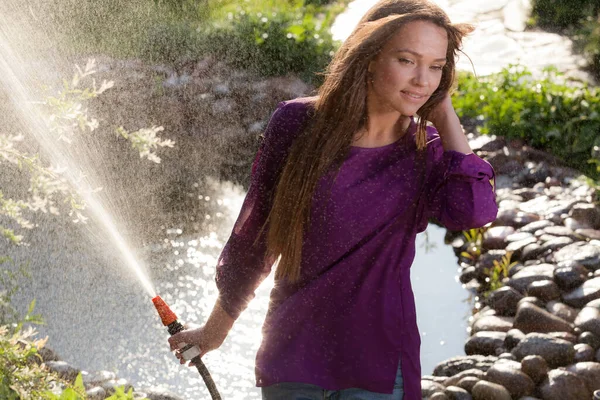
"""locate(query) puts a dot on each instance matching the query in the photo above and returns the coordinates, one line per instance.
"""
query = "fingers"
(176, 339)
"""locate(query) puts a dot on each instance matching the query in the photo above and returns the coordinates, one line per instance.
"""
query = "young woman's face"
(409, 68)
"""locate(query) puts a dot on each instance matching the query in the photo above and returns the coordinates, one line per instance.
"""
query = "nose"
(421, 76)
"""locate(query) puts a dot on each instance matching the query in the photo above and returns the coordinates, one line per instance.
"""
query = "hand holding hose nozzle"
(189, 352)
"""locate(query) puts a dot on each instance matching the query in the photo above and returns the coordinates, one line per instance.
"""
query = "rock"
(562, 311)
(508, 374)
(504, 300)
(589, 372)
(589, 233)
(554, 244)
(532, 251)
(64, 370)
(428, 388)
(575, 225)
(439, 396)
(570, 277)
(96, 378)
(513, 337)
(518, 236)
(569, 337)
(156, 393)
(563, 385)
(457, 393)
(590, 339)
(531, 318)
(495, 237)
(48, 354)
(516, 248)
(556, 352)
(484, 390)
(535, 367)
(522, 279)
(473, 373)
(598, 355)
(532, 300)
(507, 356)
(514, 218)
(486, 260)
(467, 383)
(469, 274)
(579, 297)
(588, 318)
(586, 213)
(584, 253)
(583, 352)
(484, 343)
(561, 231)
(492, 323)
(458, 364)
(95, 393)
(111, 385)
(545, 290)
(536, 226)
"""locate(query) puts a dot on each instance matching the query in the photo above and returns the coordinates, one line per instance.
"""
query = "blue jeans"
(304, 391)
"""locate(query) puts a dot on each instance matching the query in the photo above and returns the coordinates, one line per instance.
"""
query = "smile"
(414, 95)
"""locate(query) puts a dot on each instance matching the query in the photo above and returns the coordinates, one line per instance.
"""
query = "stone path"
(500, 37)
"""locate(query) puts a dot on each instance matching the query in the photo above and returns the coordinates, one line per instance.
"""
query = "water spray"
(189, 352)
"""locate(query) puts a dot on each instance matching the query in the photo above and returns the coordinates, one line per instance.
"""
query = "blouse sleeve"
(242, 264)
(461, 190)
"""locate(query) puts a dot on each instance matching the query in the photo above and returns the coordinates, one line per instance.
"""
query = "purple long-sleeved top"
(351, 317)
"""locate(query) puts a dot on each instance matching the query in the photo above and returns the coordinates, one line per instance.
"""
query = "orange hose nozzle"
(167, 316)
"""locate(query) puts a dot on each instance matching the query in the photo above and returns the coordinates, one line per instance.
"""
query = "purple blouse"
(351, 317)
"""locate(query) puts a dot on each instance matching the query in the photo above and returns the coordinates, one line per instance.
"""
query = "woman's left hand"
(446, 122)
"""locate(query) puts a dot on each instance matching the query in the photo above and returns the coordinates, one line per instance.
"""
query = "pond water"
(99, 317)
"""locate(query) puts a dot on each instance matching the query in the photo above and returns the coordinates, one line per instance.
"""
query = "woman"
(340, 187)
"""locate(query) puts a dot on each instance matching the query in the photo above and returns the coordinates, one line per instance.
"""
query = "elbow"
(473, 214)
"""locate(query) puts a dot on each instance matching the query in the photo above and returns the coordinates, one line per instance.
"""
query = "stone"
(532, 251)
(536, 226)
(561, 231)
(535, 367)
(513, 337)
(554, 244)
(157, 393)
(457, 393)
(484, 343)
(586, 254)
(439, 396)
(556, 352)
(484, 390)
(429, 387)
(589, 233)
(504, 300)
(469, 273)
(454, 365)
(92, 379)
(586, 213)
(495, 237)
(507, 356)
(522, 279)
(545, 290)
(583, 352)
(473, 373)
(111, 385)
(575, 225)
(532, 300)
(487, 259)
(95, 393)
(562, 311)
(63, 369)
(589, 372)
(48, 354)
(508, 374)
(588, 318)
(516, 248)
(492, 323)
(598, 355)
(569, 337)
(563, 385)
(579, 297)
(570, 277)
(467, 383)
(590, 339)
(531, 318)
(519, 236)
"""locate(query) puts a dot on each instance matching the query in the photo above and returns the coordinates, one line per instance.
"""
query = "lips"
(414, 95)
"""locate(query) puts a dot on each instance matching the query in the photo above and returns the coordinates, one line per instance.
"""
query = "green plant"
(497, 273)
(474, 241)
(561, 14)
(548, 112)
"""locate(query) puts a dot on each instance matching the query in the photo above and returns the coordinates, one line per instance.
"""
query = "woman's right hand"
(208, 337)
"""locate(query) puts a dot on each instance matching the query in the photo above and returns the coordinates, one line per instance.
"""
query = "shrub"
(561, 14)
(549, 112)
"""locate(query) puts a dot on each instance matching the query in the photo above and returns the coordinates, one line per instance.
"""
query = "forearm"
(451, 134)
(219, 322)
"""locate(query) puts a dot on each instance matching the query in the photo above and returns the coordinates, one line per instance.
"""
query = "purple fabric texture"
(351, 317)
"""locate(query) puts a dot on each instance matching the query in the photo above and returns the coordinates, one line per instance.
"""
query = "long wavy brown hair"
(340, 111)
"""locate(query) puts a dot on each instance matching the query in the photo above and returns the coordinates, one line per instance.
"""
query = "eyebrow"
(417, 54)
